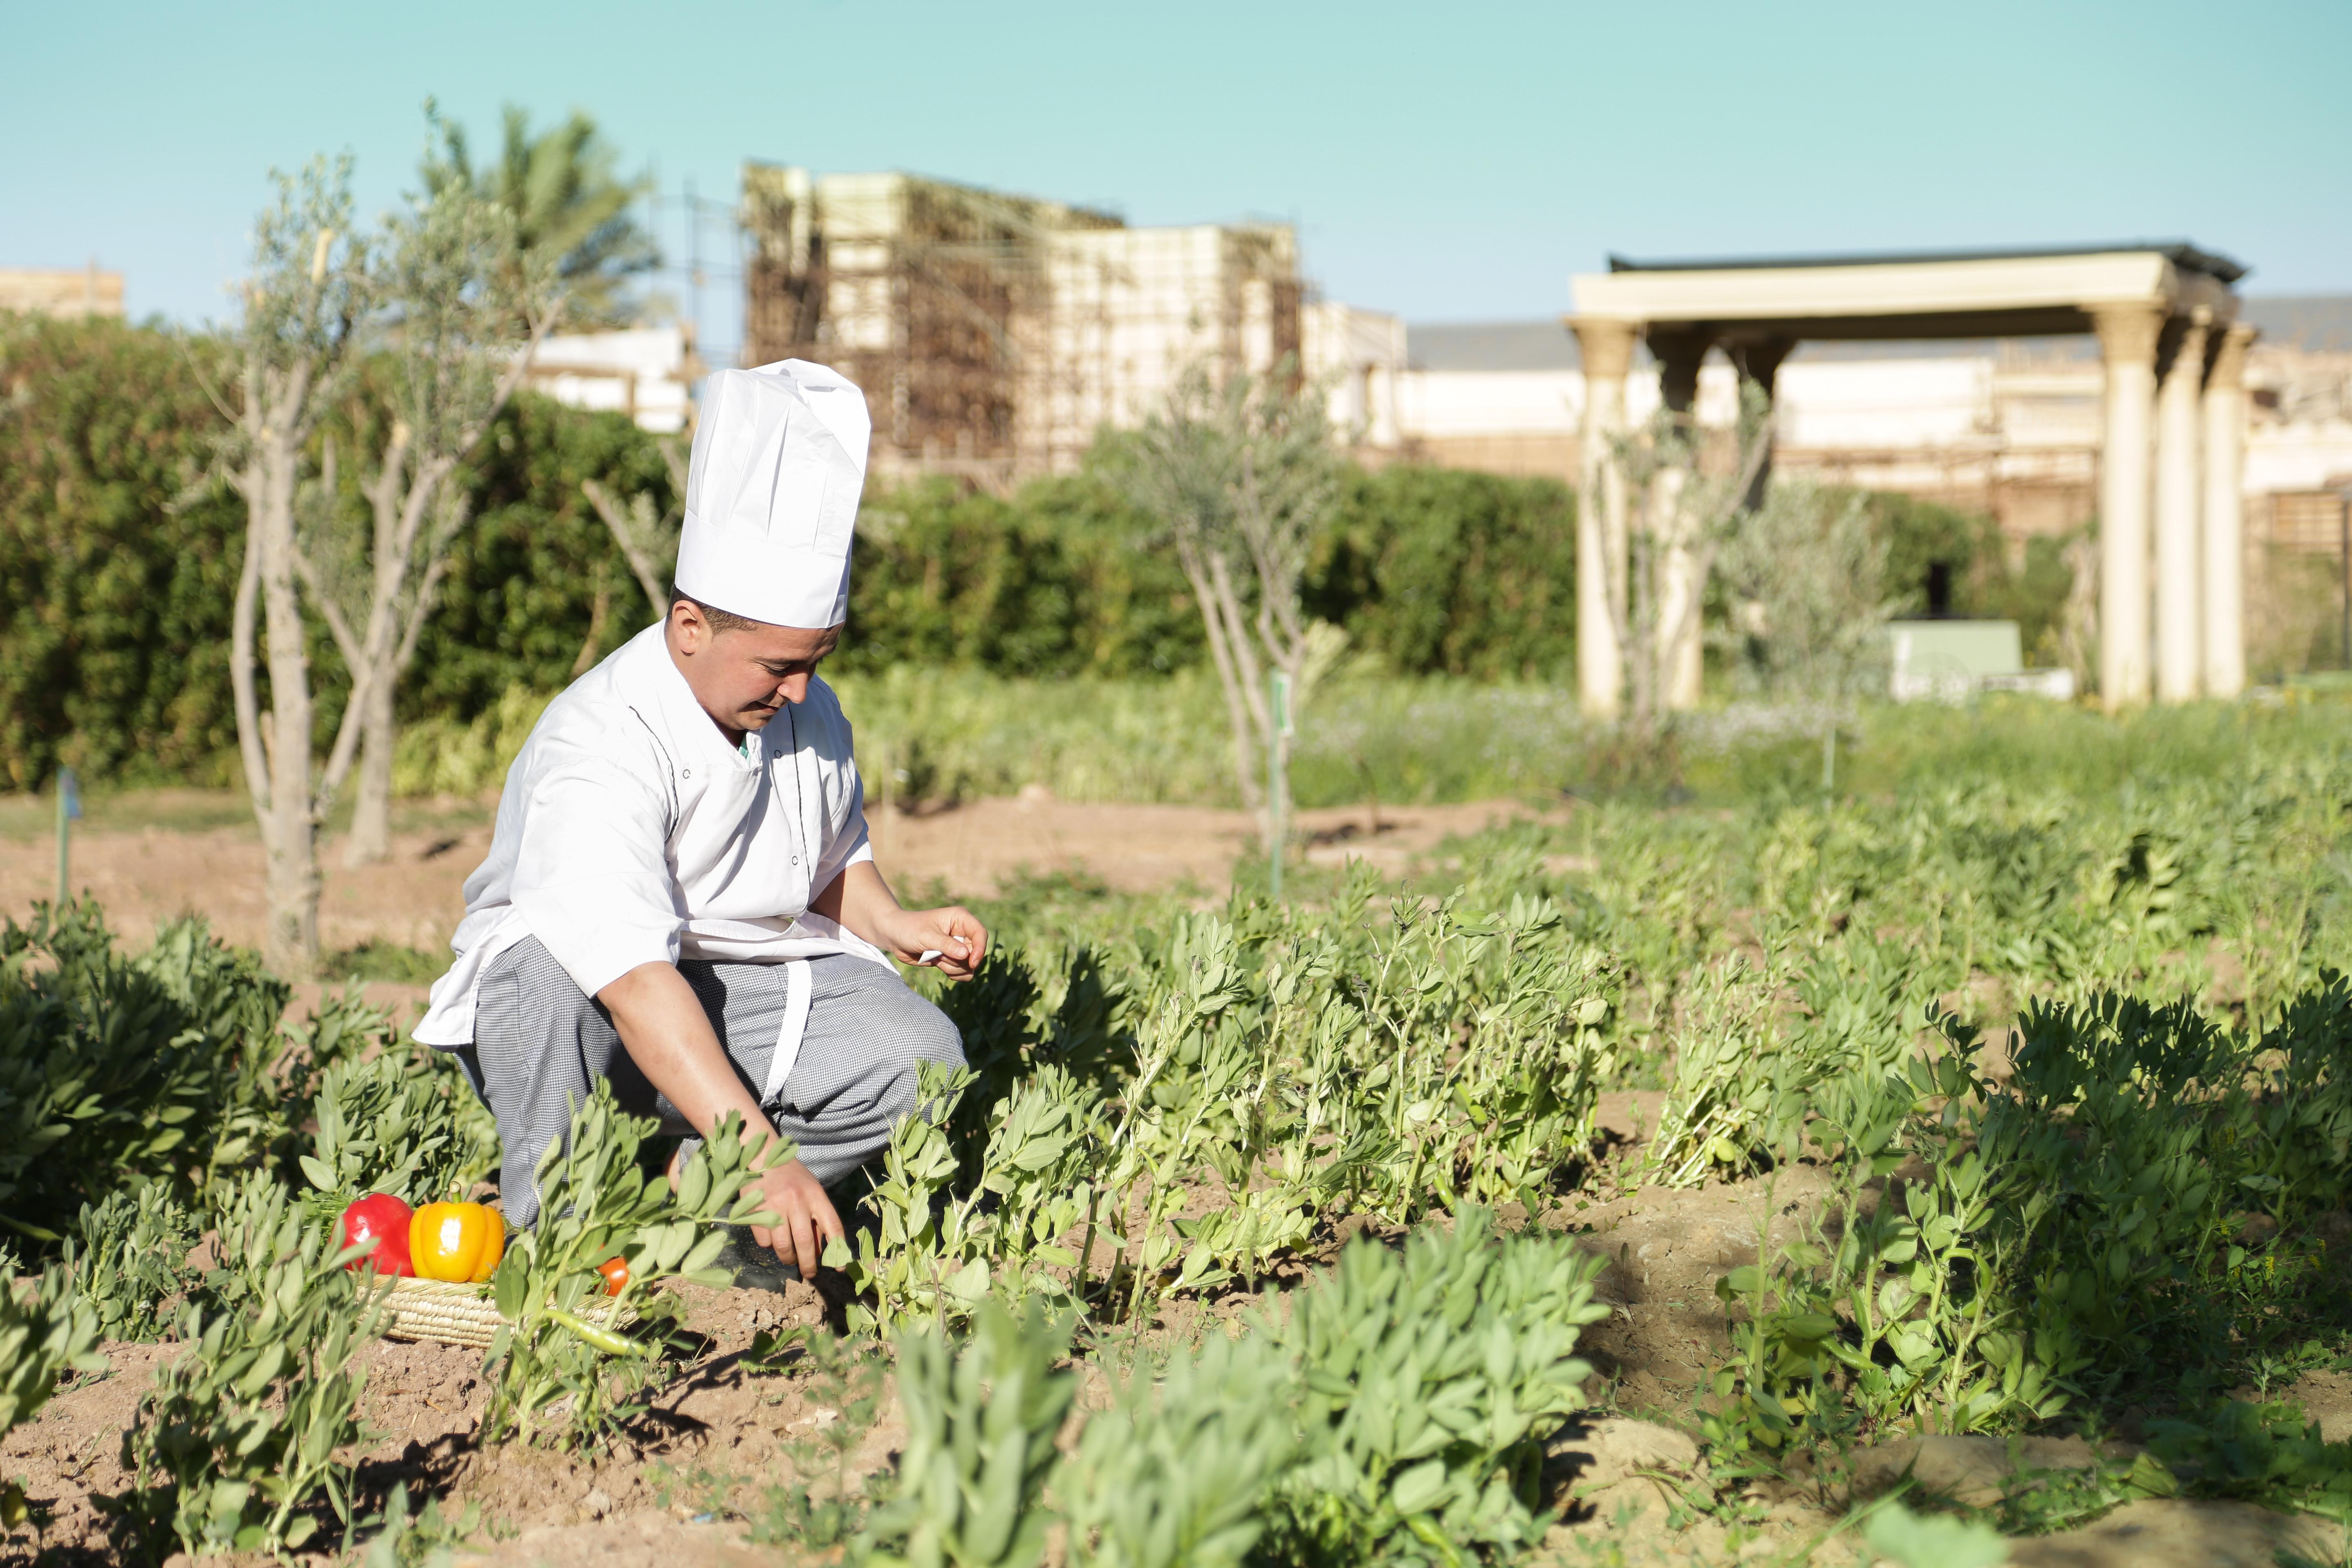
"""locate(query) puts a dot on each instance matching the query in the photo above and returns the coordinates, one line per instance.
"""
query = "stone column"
(2180, 555)
(2127, 335)
(1682, 662)
(1607, 350)
(2225, 522)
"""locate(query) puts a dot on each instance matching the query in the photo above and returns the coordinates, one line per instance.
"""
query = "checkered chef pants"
(541, 1044)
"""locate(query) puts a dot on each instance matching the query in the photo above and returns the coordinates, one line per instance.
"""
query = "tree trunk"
(371, 835)
(1228, 678)
(289, 836)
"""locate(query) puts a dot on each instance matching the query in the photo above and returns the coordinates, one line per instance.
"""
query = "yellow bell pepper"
(461, 1243)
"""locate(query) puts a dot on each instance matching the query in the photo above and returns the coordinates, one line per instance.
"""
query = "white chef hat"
(772, 495)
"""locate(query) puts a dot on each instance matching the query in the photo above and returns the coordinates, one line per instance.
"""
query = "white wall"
(1360, 354)
(642, 370)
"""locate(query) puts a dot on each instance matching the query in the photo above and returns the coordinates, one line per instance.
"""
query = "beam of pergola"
(1974, 295)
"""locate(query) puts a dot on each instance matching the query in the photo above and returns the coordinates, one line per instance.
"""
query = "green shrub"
(980, 1424)
(128, 1257)
(120, 553)
(1048, 581)
(1431, 1379)
(243, 1435)
(1178, 1471)
(1444, 572)
(116, 1073)
(46, 1330)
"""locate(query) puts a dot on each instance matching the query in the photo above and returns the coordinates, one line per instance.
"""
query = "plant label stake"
(69, 813)
(1277, 731)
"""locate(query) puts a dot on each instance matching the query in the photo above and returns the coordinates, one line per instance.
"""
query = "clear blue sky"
(1454, 162)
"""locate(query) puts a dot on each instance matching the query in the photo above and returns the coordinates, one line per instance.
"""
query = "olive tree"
(1686, 493)
(1805, 581)
(646, 531)
(462, 307)
(307, 302)
(445, 305)
(1237, 474)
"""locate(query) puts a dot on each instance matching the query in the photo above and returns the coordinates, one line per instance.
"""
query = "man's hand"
(860, 899)
(809, 1220)
(669, 1037)
(954, 932)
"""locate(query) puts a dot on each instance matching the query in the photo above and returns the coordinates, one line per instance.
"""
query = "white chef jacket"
(630, 831)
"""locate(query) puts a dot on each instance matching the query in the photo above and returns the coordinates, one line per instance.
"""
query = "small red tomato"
(615, 1271)
(383, 1219)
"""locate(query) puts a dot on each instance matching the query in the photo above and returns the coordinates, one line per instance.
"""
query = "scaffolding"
(994, 334)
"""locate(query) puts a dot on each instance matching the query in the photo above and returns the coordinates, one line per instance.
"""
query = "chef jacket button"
(685, 772)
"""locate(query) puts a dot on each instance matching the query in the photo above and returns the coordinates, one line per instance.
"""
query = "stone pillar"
(1681, 660)
(2128, 336)
(2225, 522)
(1607, 350)
(2179, 554)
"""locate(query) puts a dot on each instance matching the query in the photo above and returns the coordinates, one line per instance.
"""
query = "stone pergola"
(2172, 589)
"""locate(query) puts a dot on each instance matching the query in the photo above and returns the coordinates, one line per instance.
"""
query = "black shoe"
(755, 1268)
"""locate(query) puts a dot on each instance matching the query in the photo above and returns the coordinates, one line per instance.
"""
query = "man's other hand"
(955, 934)
(809, 1220)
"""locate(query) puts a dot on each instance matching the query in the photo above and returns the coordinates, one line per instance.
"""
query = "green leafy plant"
(427, 1537)
(109, 1065)
(845, 1383)
(129, 1256)
(597, 1204)
(980, 1424)
(1431, 1379)
(45, 1332)
(1918, 1541)
(2265, 1453)
(247, 1432)
(1179, 1472)
(404, 1122)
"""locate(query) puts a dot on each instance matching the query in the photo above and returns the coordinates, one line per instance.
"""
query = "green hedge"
(117, 556)
(1055, 581)
(1441, 571)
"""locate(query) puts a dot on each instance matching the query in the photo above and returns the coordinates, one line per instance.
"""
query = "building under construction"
(994, 334)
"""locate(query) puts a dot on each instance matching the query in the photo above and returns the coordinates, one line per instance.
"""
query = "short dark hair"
(717, 619)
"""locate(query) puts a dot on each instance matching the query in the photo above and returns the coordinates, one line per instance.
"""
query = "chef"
(680, 896)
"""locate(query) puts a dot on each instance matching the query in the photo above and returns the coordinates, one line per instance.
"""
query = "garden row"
(2125, 1202)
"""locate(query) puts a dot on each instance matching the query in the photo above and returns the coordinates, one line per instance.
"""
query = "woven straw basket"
(465, 1314)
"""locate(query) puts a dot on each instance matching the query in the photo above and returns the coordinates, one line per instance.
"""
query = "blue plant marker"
(69, 813)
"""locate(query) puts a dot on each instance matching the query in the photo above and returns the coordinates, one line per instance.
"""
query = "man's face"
(744, 677)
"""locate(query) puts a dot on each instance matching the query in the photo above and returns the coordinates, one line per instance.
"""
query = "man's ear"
(688, 623)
